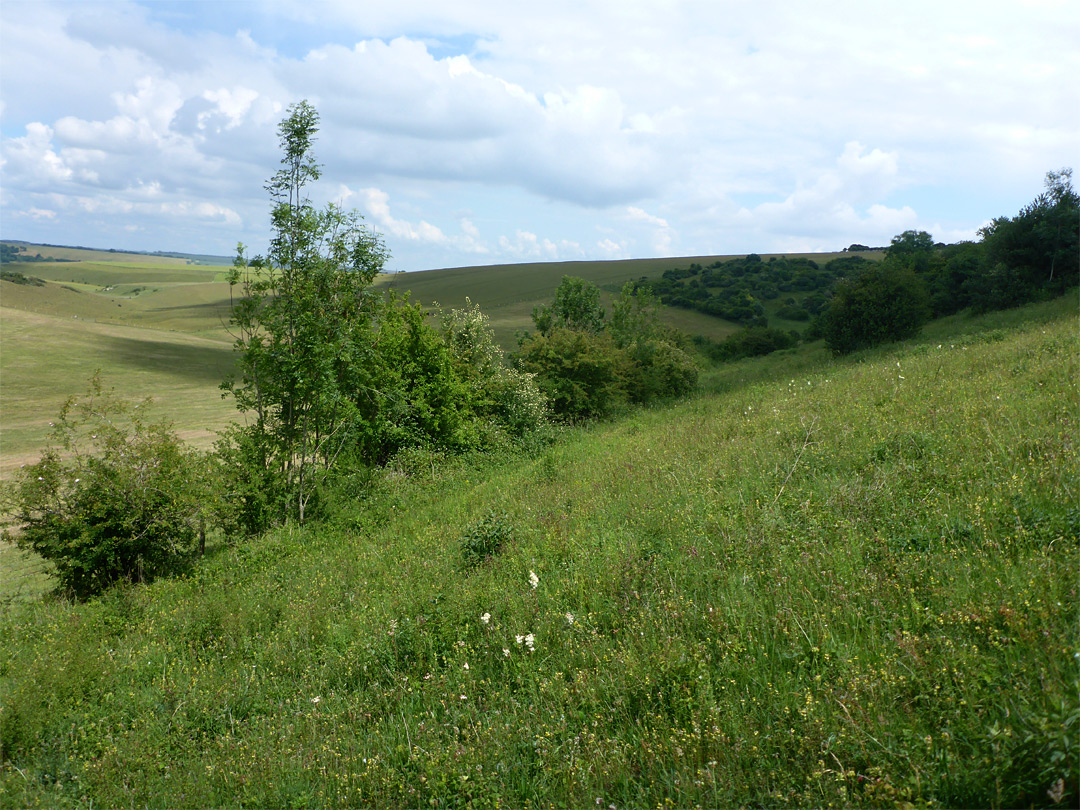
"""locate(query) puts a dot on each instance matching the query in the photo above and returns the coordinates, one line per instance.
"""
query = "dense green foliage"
(1031, 256)
(752, 342)
(579, 372)
(17, 253)
(506, 402)
(1037, 252)
(576, 306)
(588, 368)
(19, 278)
(738, 289)
(834, 582)
(116, 498)
(884, 302)
(336, 374)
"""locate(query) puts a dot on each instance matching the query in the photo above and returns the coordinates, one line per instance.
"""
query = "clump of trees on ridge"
(855, 303)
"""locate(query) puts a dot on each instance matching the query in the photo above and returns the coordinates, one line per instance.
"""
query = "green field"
(818, 583)
(508, 292)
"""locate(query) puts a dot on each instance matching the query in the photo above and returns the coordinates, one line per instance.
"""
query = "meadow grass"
(46, 359)
(822, 583)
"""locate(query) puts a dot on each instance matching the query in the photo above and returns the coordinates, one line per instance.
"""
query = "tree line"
(854, 303)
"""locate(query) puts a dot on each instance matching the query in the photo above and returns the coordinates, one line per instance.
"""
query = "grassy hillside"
(83, 254)
(823, 583)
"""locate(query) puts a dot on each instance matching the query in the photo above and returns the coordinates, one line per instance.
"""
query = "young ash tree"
(304, 326)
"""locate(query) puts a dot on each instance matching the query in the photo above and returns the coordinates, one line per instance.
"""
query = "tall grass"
(826, 584)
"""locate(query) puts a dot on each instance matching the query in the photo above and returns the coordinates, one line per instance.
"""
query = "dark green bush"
(658, 369)
(580, 373)
(882, 303)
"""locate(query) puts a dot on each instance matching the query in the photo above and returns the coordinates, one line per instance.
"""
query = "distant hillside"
(67, 253)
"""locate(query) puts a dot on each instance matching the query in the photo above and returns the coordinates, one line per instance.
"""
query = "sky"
(480, 132)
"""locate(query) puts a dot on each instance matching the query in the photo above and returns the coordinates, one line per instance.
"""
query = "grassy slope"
(167, 345)
(825, 583)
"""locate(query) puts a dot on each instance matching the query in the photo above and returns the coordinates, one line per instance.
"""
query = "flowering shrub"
(506, 397)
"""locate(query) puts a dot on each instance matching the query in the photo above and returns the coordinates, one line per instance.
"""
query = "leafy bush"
(576, 306)
(579, 372)
(504, 398)
(754, 342)
(19, 278)
(792, 312)
(658, 369)
(884, 302)
(587, 367)
(116, 499)
(486, 538)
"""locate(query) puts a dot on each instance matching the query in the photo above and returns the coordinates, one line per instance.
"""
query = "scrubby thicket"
(854, 303)
(838, 582)
(587, 367)
(827, 582)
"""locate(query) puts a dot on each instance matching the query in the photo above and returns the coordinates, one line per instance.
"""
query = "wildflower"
(529, 641)
(506, 652)
(1057, 791)
(534, 580)
(464, 697)
(316, 700)
(569, 617)
(520, 639)
(486, 618)
(466, 666)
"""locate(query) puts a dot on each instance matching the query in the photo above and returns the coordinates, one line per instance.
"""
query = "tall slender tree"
(303, 324)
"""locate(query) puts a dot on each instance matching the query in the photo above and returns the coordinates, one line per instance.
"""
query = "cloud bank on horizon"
(479, 132)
